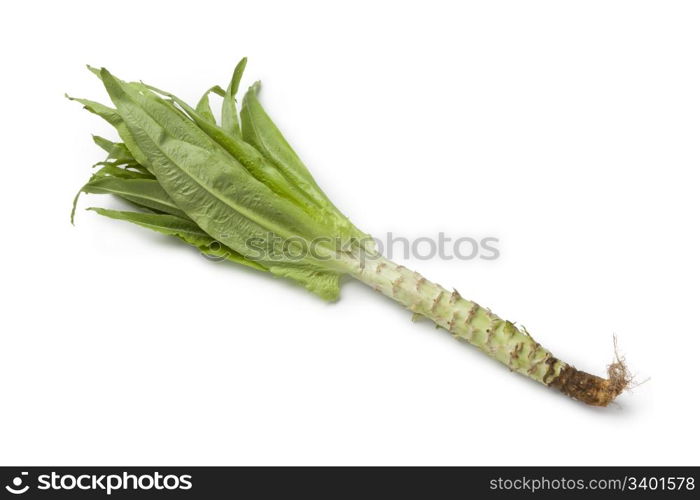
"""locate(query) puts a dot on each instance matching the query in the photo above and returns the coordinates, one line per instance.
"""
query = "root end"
(591, 389)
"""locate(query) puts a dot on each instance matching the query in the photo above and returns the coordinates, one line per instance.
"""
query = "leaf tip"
(218, 90)
(75, 205)
(232, 89)
(255, 88)
(95, 71)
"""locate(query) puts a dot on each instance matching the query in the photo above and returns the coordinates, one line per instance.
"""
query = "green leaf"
(109, 169)
(141, 169)
(111, 116)
(229, 113)
(184, 229)
(218, 91)
(260, 131)
(206, 182)
(305, 195)
(144, 192)
(115, 170)
(212, 179)
(203, 106)
(115, 150)
(323, 283)
(250, 158)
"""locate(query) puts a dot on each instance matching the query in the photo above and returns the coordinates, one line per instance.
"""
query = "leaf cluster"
(219, 186)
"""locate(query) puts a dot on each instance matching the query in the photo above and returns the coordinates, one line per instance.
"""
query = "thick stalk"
(502, 340)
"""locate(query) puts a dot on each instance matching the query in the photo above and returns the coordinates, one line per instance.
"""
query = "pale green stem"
(464, 319)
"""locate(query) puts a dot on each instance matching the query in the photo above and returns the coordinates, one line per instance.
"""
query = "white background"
(569, 130)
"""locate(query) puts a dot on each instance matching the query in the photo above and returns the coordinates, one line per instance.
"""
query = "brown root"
(591, 389)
